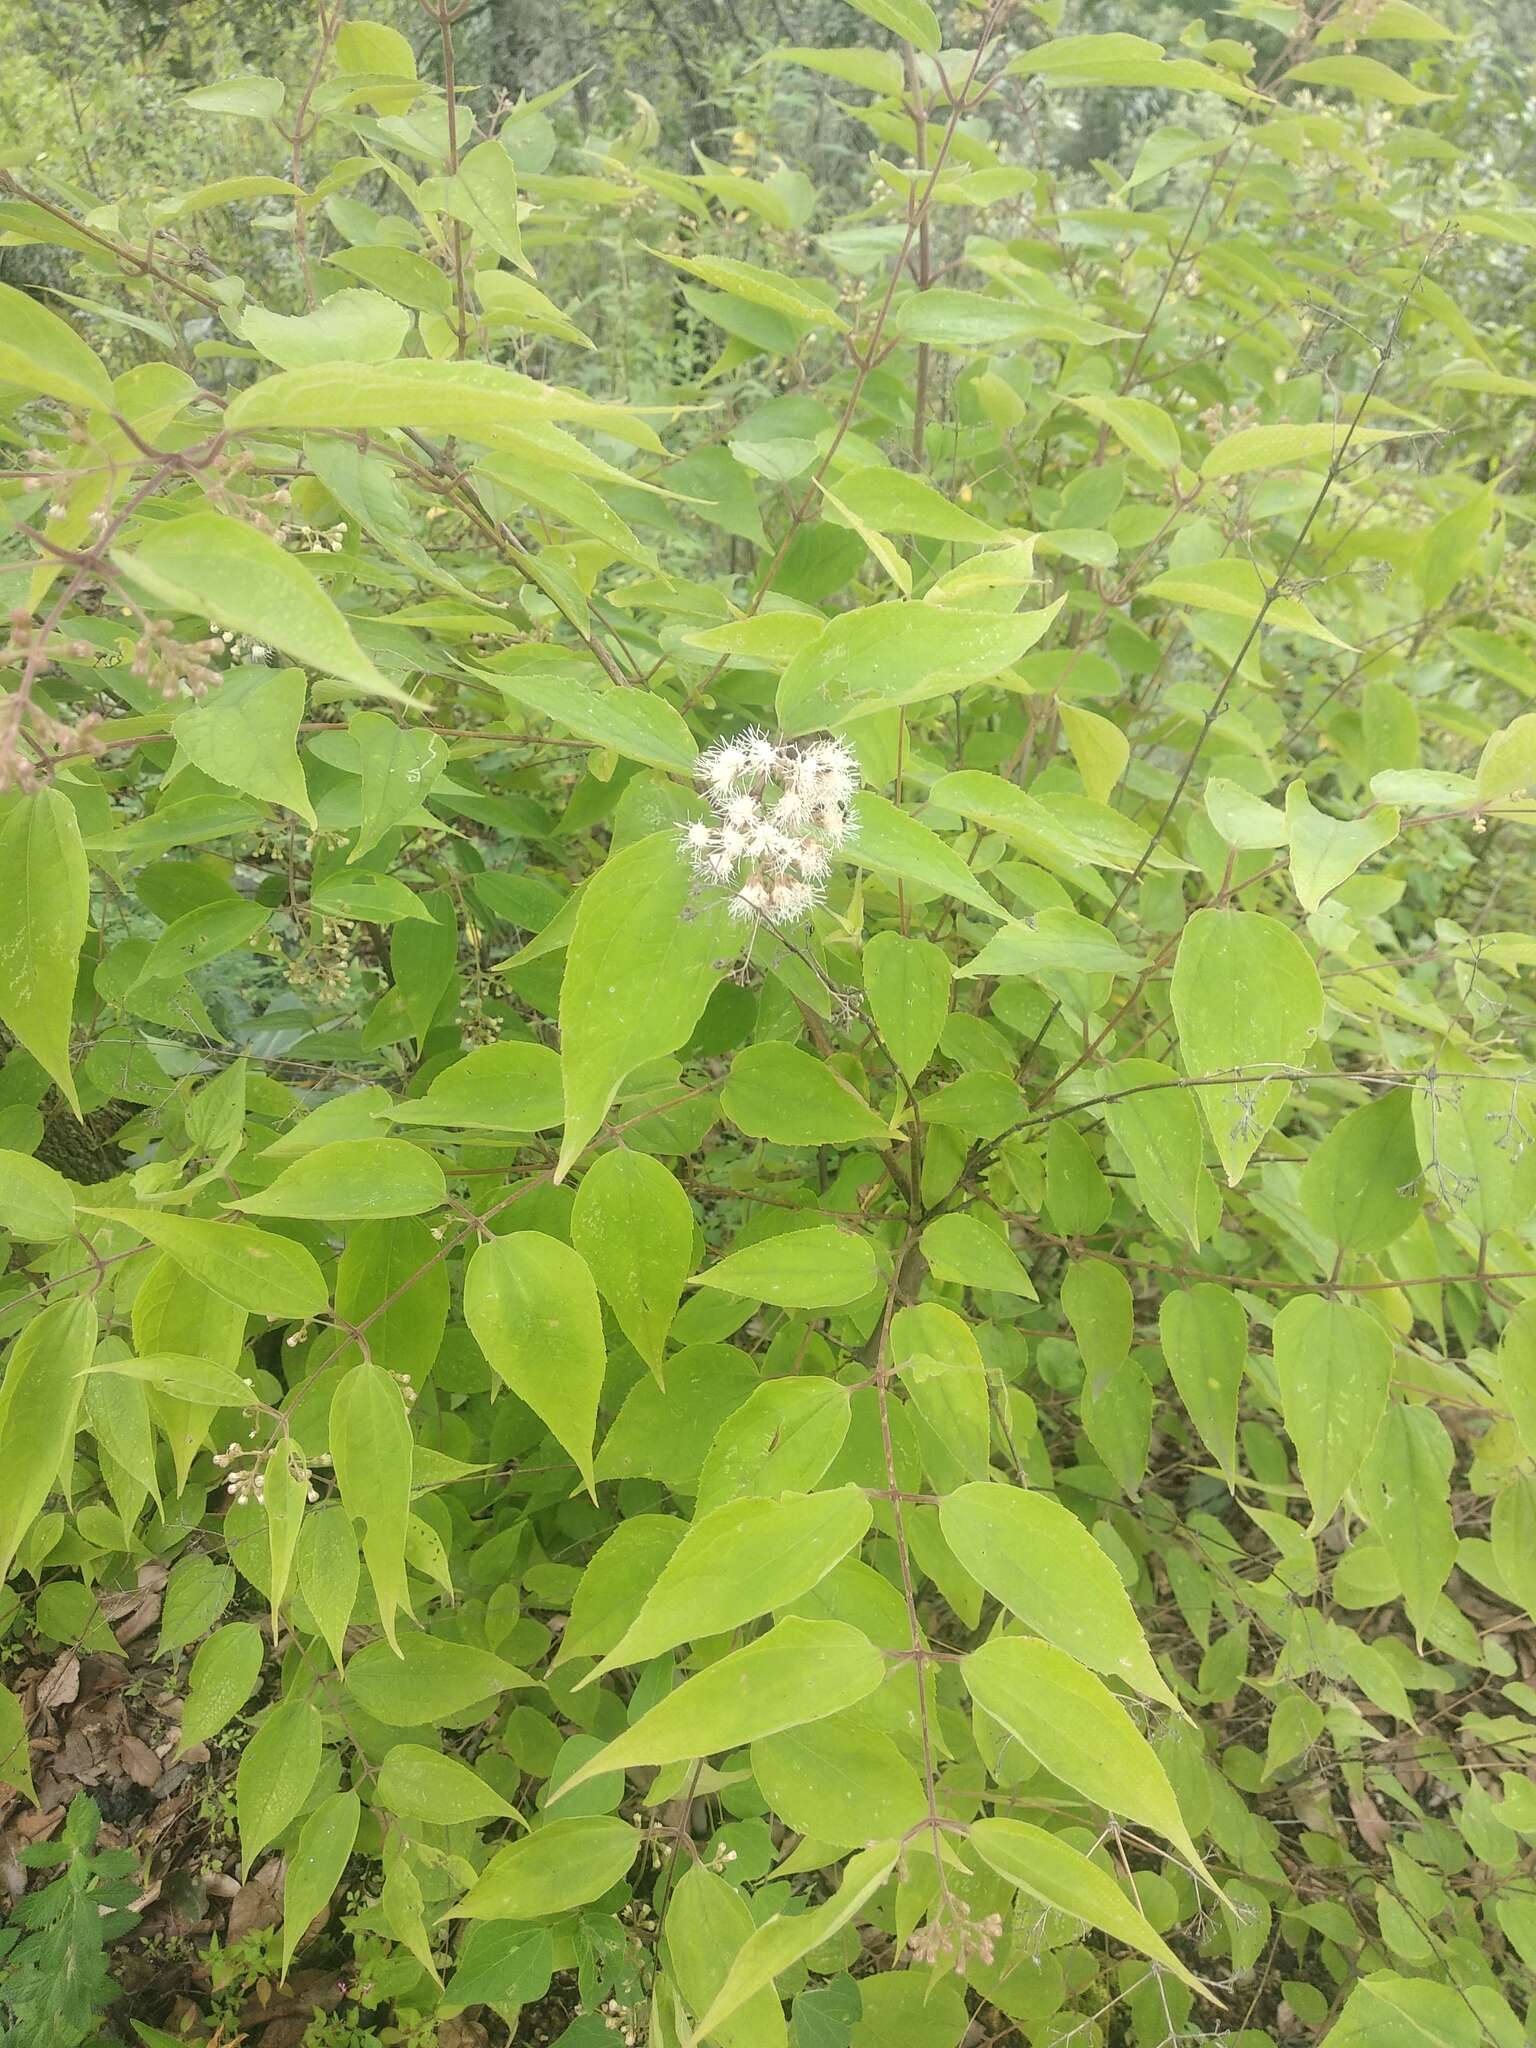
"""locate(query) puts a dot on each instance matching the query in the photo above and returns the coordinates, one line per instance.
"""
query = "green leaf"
(267, 1275)
(1360, 1187)
(617, 1578)
(184, 1377)
(508, 1087)
(778, 1092)
(822, 1267)
(1205, 1341)
(37, 1203)
(470, 399)
(561, 1865)
(1333, 1364)
(533, 1308)
(633, 723)
(645, 954)
(1100, 749)
(253, 95)
(1326, 851)
(780, 1440)
(199, 936)
(421, 1784)
(889, 654)
(839, 1783)
(196, 1594)
(1513, 1532)
(1062, 834)
(1246, 999)
(1037, 1558)
(945, 1378)
(1057, 1876)
(277, 1772)
(891, 842)
(1282, 446)
(370, 1437)
(483, 194)
(43, 354)
(963, 1249)
(39, 1403)
(1075, 1727)
(1096, 1300)
(15, 1761)
(1155, 1123)
(329, 1576)
(354, 1177)
(1120, 60)
(348, 327)
(707, 1922)
(221, 569)
(1232, 587)
(1508, 761)
(224, 1674)
(1365, 77)
(799, 1671)
(913, 20)
(1054, 940)
(907, 982)
(892, 501)
(1242, 819)
(1475, 1124)
(795, 298)
(738, 1561)
(634, 1226)
(399, 768)
(1143, 427)
(1405, 1485)
(429, 1680)
(502, 1964)
(315, 1868)
(368, 899)
(781, 1941)
(942, 317)
(1517, 1373)
(1384, 2011)
(44, 915)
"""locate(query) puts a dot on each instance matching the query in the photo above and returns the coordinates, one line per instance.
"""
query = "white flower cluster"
(780, 807)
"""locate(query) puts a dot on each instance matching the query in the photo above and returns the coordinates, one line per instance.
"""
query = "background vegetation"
(617, 1426)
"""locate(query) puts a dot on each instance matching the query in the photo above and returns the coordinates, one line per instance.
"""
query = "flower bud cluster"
(781, 808)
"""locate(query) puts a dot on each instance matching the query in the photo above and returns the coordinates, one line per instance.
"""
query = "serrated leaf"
(1037, 1558)
(645, 954)
(315, 1868)
(277, 1771)
(532, 1306)
(561, 1865)
(224, 1674)
(1246, 999)
(634, 1226)
(39, 1403)
(221, 569)
(1070, 1722)
(1333, 1363)
(352, 1178)
(778, 1092)
(818, 1268)
(255, 1269)
(738, 1561)
(370, 1437)
(44, 915)
(799, 1671)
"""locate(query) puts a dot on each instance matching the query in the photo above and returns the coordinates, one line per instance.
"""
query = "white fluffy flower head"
(780, 807)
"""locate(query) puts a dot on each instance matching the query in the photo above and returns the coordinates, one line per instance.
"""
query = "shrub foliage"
(767, 1101)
